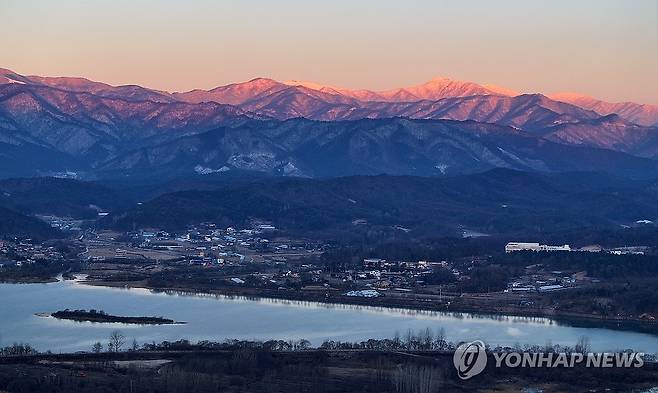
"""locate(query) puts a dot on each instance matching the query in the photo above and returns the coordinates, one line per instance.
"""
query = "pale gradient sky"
(604, 48)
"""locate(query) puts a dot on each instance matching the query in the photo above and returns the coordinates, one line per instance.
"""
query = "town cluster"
(25, 252)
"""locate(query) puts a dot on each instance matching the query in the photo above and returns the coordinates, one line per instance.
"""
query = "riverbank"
(28, 280)
(403, 301)
(34, 279)
(256, 369)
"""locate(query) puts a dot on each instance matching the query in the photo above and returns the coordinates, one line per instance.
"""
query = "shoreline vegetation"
(28, 280)
(43, 277)
(576, 319)
(421, 359)
(102, 317)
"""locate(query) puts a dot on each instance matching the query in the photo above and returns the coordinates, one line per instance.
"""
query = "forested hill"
(491, 202)
(13, 224)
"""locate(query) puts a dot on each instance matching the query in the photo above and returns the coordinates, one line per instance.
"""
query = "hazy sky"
(604, 48)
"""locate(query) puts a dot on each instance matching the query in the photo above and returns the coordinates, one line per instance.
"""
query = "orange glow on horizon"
(606, 49)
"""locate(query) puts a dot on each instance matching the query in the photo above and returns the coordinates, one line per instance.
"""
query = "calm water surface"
(211, 317)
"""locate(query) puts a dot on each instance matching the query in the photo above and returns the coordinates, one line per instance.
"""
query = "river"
(215, 318)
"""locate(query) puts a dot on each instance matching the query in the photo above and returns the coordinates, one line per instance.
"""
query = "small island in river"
(102, 317)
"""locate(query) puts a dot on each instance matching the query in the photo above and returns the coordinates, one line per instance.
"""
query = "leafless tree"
(397, 341)
(116, 341)
(303, 344)
(427, 339)
(409, 339)
(97, 347)
(548, 347)
(583, 345)
(440, 340)
(411, 378)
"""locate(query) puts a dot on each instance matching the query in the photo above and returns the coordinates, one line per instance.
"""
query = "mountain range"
(50, 126)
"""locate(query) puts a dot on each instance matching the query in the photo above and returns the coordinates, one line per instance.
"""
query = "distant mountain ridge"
(435, 89)
(52, 125)
(300, 147)
(250, 91)
(641, 114)
(88, 129)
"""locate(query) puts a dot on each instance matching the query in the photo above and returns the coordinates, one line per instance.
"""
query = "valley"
(394, 209)
(328, 197)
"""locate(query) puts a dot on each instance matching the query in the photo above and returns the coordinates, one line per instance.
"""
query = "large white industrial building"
(519, 246)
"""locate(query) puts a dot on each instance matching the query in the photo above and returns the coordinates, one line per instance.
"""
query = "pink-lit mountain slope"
(641, 114)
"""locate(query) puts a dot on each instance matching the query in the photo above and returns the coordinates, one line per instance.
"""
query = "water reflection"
(390, 311)
(406, 312)
(217, 317)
